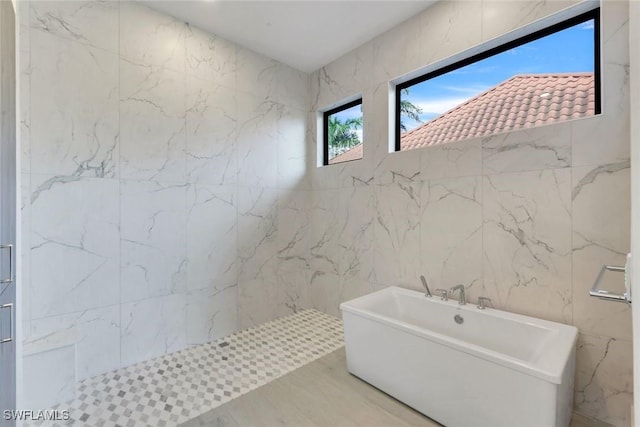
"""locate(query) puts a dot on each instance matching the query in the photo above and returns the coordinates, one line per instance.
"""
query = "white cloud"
(589, 25)
(470, 90)
(440, 105)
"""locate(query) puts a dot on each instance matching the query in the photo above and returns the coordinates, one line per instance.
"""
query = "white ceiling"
(305, 34)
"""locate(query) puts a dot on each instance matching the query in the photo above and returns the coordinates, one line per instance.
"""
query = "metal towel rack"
(608, 295)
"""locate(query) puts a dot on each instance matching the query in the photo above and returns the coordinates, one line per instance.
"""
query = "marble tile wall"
(526, 218)
(165, 198)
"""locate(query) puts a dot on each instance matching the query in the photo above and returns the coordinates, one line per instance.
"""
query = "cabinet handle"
(10, 278)
(10, 307)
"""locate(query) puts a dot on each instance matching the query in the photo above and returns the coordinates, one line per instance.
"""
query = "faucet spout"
(426, 287)
(462, 300)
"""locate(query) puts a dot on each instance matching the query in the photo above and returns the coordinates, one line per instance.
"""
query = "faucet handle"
(482, 302)
(426, 287)
(444, 294)
(463, 299)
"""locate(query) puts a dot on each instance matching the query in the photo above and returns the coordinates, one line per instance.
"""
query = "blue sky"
(570, 50)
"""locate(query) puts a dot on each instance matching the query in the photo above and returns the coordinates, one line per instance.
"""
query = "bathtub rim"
(550, 367)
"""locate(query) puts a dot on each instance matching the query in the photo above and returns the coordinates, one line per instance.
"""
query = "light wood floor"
(321, 394)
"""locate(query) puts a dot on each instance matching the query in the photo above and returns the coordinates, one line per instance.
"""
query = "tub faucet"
(444, 294)
(483, 301)
(462, 300)
(426, 287)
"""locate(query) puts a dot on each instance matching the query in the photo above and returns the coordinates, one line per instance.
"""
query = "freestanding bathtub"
(494, 369)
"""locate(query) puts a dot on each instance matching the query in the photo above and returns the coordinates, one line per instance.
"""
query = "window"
(342, 133)
(549, 76)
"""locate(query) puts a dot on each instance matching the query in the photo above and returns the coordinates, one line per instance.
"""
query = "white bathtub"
(495, 369)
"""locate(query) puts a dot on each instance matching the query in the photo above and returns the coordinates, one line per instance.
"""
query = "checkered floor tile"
(177, 387)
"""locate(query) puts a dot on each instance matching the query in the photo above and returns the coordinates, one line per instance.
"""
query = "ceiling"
(304, 34)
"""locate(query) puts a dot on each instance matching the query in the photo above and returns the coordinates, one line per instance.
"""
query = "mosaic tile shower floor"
(172, 389)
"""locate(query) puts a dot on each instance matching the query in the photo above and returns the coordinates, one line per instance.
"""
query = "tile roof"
(523, 101)
(353, 154)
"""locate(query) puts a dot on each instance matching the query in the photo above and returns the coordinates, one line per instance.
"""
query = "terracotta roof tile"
(354, 154)
(523, 101)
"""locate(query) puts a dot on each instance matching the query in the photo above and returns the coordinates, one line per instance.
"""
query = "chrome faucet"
(462, 300)
(483, 301)
(426, 287)
(444, 294)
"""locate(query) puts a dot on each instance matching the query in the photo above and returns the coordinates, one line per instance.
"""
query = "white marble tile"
(98, 347)
(600, 197)
(75, 247)
(257, 233)
(23, 12)
(605, 138)
(351, 288)
(325, 229)
(293, 88)
(527, 243)
(398, 167)
(211, 58)
(153, 327)
(257, 74)
(152, 123)
(292, 150)
(456, 159)
(397, 234)
(500, 17)
(604, 379)
(361, 171)
(212, 313)
(151, 38)
(43, 386)
(74, 123)
(153, 239)
(601, 230)
(614, 16)
(326, 177)
(293, 292)
(293, 230)
(390, 166)
(24, 98)
(322, 177)
(398, 50)
(356, 217)
(356, 173)
(258, 141)
(353, 173)
(545, 147)
(449, 27)
(451, 234)
(25, 250)
(324, 292)
(257, 301)
(211, 132)
(90, 22)
(345, 77)
(212, 255)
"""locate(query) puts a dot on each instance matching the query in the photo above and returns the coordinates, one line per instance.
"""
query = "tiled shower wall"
(164, 175)
(526, 218)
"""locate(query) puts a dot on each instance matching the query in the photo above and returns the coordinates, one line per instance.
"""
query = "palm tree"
(343, 135)
(410, 110)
